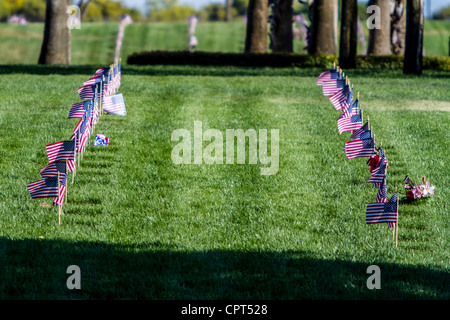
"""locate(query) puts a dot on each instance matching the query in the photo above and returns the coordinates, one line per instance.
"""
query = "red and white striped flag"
(62, 150)
(349, 123)
(52, 169)
(359, 148)
(86, 92)
(44, 188)
(382, 212)
(61, 190)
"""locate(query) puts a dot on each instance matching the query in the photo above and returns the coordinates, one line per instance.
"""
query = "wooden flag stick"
(396, 225)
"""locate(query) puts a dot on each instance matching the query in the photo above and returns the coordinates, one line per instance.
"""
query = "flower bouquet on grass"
(419, 191)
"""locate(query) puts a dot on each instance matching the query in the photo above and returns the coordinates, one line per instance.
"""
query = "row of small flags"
(336, 86)
(98, 95)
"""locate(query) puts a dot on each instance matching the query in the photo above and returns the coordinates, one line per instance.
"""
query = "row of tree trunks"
(323, 37)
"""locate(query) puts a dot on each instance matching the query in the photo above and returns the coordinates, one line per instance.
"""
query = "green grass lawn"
(141, 227)
(94, 43)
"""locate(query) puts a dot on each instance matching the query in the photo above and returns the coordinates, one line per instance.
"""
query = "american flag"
(44, 188)
(382, 212)
(349, 123)
(378, 176)
(86, 92)
(84, 133)
(328, 75)
(357, 132)
(52, 169)
(352, 110)
(382, 192)
(331, 87)
(376, 160)
(92, 81)
(62, 190)
(115, 105)
(99, 72)
(359, 148)
(382, 156)
(76, 136)
(341, 99)
(62, 150)
(77, 110)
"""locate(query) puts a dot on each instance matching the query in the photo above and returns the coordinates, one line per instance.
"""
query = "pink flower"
(427, 189)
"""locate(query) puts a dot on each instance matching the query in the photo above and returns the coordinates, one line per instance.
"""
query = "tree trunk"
(398, 27)
(380, 38)
(56, 44)
(348, 44)
(323, 27)
(281, 35)
(256, 36)
(414, 37)
(229, 3)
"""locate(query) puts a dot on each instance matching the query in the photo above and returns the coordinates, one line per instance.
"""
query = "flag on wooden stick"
(382, 212)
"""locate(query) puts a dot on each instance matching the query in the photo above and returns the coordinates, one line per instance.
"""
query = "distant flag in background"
(125, 20)
(382, 212)
(359, 148)
(62, 150)
(349, 123)
(115, 105)
(44, 188)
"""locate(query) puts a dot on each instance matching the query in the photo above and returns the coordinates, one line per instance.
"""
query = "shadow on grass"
(36, 269)
(217, 71)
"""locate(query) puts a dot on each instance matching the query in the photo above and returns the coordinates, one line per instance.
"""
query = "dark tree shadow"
(36, 269)
(211, 71)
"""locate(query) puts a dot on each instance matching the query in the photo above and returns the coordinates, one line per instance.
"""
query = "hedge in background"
(273, 60)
